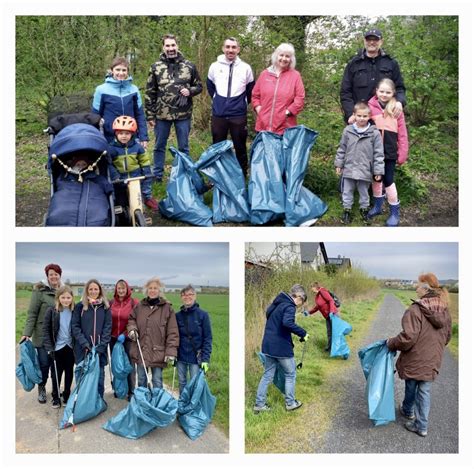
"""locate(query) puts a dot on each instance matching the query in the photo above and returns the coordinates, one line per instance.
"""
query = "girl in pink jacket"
(278, 95)
(395, 142)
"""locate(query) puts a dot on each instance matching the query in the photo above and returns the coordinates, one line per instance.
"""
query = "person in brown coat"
(152, 325)
(426, 331)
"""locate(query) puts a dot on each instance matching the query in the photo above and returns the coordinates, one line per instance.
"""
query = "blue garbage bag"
(148, 409)
(221, 166)
(196, 406)
(279, 377)
(121, 368)
(85, 402)
(301, 205)
(266, 190)
(28, 370)
(377, 364)
(340, 329)
(183, 202)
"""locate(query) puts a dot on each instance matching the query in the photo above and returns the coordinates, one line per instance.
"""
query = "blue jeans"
(162, 132)
(289, 368)
(183, 369)
(417, 401)
(156, 376)
(145, 184)
(44, 363)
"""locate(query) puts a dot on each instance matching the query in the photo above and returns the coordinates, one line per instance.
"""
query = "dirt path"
(353, 432)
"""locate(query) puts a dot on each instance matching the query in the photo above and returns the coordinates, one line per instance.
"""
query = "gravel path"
(353, 432)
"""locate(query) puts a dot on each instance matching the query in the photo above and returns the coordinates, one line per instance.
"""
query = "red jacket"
(323, 303)
(121, 311)
(276, 94)
(394, 132)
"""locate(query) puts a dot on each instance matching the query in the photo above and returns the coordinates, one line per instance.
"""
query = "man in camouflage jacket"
(171, 84)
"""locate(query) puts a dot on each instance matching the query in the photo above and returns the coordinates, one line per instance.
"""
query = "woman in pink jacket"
(278, 95)
(395, 145)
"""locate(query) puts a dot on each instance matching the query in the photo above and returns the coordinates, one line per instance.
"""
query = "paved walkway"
(353, 432)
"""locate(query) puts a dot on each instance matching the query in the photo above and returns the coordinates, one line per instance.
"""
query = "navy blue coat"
(83, 324)
(195, 321)
(277, 341)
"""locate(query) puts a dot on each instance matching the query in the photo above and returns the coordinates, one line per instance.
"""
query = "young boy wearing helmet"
(129, 158)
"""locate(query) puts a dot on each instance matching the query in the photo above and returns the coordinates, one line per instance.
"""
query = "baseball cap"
(373, 32)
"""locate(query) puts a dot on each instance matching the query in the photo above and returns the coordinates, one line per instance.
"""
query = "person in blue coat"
(118, 96)
(91, 326)
(195, 337)
(277, 346)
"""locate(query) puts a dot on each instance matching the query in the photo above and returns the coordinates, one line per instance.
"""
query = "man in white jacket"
(229, 83)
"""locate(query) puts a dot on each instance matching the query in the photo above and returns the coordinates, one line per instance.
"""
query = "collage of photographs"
(238, 239)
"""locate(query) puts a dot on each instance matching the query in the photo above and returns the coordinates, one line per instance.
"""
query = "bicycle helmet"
(125, 123)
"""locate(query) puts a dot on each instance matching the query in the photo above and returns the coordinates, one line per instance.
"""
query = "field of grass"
(218, 374)
(406, 296)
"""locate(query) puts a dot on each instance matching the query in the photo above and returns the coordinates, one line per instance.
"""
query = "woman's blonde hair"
(149, 282)
(390, 106)
(284, 47)
(60, 291)
(431, 280)
(85, 299)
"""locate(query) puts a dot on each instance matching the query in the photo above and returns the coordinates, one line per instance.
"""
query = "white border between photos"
(237, 237)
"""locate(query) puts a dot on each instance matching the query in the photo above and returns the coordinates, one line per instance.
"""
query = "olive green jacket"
(41, 299)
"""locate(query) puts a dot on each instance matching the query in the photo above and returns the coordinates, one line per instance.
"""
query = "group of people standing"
(426, 330)
(63, 333)
(276, 97)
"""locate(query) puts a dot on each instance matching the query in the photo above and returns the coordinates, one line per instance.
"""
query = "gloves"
(171, 360)
(121, 338)
(205, 367)
(133, 335)
(181, 100)
(305, 338)
(305, 313)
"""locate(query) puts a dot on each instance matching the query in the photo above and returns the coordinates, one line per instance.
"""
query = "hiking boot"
(296, 405)
(56, 403)
(327, 348)
(152, 203)
(264, 408)
(364, 213)
(411, 427)
(403, 414)
(346, 217)
(42, 394)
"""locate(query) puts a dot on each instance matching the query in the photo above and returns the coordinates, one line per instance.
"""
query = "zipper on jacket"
(229, 83)
(273, 103)
(87, 203)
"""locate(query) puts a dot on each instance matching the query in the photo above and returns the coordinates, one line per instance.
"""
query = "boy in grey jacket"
(359, 159)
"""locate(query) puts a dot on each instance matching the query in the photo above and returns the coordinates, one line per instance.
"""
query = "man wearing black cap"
(365, 70)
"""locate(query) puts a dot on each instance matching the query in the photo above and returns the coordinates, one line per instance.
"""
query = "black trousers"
(237, 126)
(64, 359)
(329, 330)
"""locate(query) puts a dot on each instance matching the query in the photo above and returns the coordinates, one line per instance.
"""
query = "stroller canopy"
(28, 370)
(76, 137)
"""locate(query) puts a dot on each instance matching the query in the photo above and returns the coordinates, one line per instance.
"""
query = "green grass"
(218, 374)
(281, 431)
(406, 297)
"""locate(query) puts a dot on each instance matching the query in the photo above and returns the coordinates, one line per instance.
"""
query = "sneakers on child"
(264, 408)
(411, 427)
(346, 217)
(56, 404)
(296, 405)
(152, 203)
(42, 394)
(364, 213)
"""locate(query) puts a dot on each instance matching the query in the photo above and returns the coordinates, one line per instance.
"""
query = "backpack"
(337, 301)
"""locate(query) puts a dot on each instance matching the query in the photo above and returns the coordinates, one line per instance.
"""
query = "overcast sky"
(175, 263)
(400, 260)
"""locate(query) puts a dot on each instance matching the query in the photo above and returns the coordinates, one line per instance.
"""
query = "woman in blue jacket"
(119, 97)
(195, 337)
(92, 326)
(277, 346)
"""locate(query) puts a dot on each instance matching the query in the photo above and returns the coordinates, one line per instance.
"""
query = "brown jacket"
(157, 332)
(426, 331)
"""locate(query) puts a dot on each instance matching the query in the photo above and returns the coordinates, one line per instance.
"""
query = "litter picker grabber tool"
(174, 375)
(57, 377)
(300, 364)
(148, 380)
(110, 367)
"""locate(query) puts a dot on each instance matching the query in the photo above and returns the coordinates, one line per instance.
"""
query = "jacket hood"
(434, 310)
(190, 309)
(127, 296)
(164, 58)
(221, 59)
(43, 287)
(361, 54)
(113, 81)
(368, 131)
(160, 303)
(280, 299)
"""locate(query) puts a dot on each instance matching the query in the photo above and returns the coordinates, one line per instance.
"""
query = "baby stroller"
(78, 166)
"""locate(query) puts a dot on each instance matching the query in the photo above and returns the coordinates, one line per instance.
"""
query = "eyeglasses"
(188, 294)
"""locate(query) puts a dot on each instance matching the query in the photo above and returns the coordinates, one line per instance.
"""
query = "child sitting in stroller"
(81, 191)
(129, 158)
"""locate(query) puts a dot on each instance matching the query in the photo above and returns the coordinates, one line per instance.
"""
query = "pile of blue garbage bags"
(275, 188)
